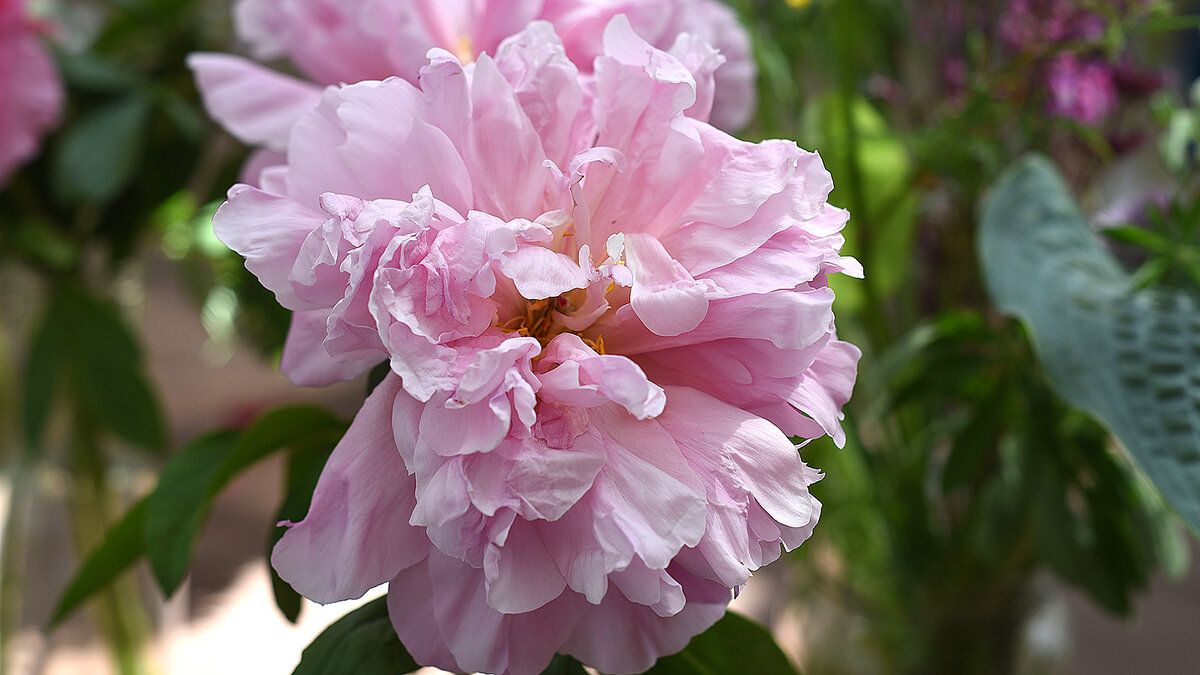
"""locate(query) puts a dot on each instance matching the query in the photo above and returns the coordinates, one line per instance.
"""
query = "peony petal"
(356, 534)
(666, 299)
(268, 231)
(520, 574)
(257, 105)
(305, 360)
(642, 634)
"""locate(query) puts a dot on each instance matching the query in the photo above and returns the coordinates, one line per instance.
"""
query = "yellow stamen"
(464, 48)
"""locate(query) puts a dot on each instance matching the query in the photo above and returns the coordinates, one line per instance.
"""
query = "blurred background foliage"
(969, 480)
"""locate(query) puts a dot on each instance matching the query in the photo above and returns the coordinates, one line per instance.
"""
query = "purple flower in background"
(1083, 90)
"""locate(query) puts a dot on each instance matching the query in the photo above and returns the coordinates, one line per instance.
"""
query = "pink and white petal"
(393, 152)
(520, 574)
(827, 386)
(536, 481)
(256, 104)
(666, 299)
(789, 319)
(644, 636)
(547, 87)
(485, 640)
(504, 146)
(305, 360)
(646, 500)
(746, 452)
(410, 607)
(582, 378)
(268, 231)
(453, 429)
(356, 534)
(541, 273)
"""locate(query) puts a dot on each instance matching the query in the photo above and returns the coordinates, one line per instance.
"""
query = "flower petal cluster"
(603, 320)
(29, 87)
(332, 42)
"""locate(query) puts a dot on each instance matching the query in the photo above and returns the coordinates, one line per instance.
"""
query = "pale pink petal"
(666, 299)
(268, 231)
(305, 360)
(642, 634)
(257, 105)
(356, 535)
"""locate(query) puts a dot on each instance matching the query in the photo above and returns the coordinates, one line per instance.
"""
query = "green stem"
(119, 613)
(861, 218)
(12, 561)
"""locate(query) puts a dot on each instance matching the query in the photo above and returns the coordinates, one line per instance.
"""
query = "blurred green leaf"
(89, 71)
(361, 643)
(733, 646)
(87, 336)
(107, 372)
(43, 373)
(180, 504)
(564, 665)
(886, 174)
(192, 479)
(122, 546)
(100, 154)
(1130, 357)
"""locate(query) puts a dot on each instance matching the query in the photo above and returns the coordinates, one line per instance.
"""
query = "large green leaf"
(361, 643)
(100, 154)
(193, 478)
(86, 336)
(119, 550)
(733, 646)
(1129, 357)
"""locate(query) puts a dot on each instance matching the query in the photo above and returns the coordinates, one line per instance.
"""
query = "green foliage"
(191, 481)
(361, 643)
(733, 645)
(1129, 357)
(101, 154)
(83, 340)
(118, 552)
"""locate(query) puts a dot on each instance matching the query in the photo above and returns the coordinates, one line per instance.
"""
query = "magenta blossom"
(603, 320)
(29, 88)
(1083, 90)
(339, 41)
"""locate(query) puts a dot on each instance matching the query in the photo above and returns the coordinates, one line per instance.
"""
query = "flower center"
(543, 319)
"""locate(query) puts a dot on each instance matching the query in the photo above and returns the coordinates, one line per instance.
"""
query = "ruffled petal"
(356, 534)
(268, 231)
(257, 105)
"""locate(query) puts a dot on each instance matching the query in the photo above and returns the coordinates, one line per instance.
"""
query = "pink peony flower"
(29, 88)
(333, 42)
(603, 318)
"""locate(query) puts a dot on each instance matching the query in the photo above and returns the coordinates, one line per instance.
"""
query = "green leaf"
(100, 154)
(87, 337)
(733, 646)
(1130, 357)
(564, 665)
(119, 550)
(193, 478)
(43, 373)
(180, 503)
(361, 643)
(107, 371)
